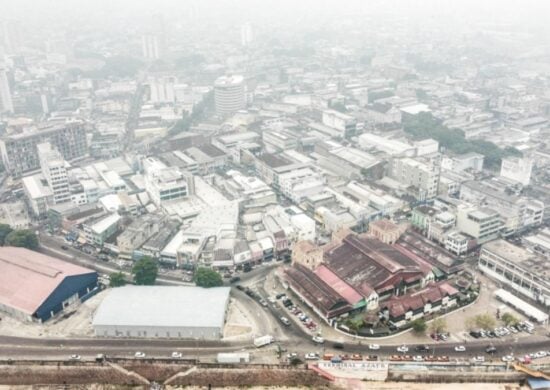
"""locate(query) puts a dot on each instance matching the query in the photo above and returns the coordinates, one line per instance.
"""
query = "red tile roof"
(341, 287)
(28, 278)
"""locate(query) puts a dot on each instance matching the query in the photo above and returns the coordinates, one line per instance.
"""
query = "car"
(422, 348)
(176, 355)
(490, 349)
(65, 247)
(234, 279)
(460, 348)
(403, 349)
(312, 356)
(285, 321)
(239, 287)
(139, 354)
(478, 359)
(540, 354)
(507, 358)
(418, 358)
(263, 303)
(318, 339)
(374, 347)
(75, 357)
(338, 346)
(272, 300)
(280, 295)
(292, 355)
(356, 356)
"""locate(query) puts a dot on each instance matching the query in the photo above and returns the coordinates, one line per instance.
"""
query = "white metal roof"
(163, 306)
(521, 305)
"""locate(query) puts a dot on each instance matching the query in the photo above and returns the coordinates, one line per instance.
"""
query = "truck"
(233, 357)
(264, 340)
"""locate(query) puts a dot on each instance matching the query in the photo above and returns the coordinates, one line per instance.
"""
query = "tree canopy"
(206, 277)
(145, 271)
(438, 325)
(117, 279)
(509, 319)
(483, 321)
(23, 238)
(424, 125)
(419, 326)
(4, 231)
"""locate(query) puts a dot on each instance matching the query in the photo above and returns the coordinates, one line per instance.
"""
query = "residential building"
(301, 183)
(422, 176)
(344, 124)
(137, 233)
(164, 184)
(483, 224)
(150, 47)
(517, 169)
(38, 194)
(54, 170)
(6, 103)
(19, 150)
(98, 230)
(229, 95)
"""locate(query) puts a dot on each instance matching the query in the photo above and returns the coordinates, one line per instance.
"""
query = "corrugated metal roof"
(163, 307)
(28, 278)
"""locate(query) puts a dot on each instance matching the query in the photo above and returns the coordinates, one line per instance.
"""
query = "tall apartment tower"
(53, 168)
(6, 104)
(150, 47)
(229, 94)
(246, 34)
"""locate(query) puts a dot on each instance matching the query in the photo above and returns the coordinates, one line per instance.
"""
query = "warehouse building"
(35, 287)
(163, 312)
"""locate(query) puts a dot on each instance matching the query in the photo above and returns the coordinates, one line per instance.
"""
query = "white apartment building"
(345, 124)
(150, 47)
(424, 177)
(229, 94)
(54, 169)
(481, 223)
(162, 183)
(6, 104)
(517, 169)
(301, 183)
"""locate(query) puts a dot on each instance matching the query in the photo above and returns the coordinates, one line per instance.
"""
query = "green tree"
(485, 321)
(117, 279)
(145, 271)
(509, 319)
(438, 325)
(4, 231)
(206, 277)
(419, 326)
(23, 238)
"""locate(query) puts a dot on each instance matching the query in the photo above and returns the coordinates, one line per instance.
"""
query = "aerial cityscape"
(272, 194)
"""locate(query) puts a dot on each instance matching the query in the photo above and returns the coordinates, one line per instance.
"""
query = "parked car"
(318, 339)
(507, 358)
(75, 357)
(312, 356)
(418, 358)
(235, 279)
(403, 349)
(65, 247)
(478, 359)
(374, 347)
(139, 354)
(176, 355)
(285, 321)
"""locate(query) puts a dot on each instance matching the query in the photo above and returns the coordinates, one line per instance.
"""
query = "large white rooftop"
(163, 306)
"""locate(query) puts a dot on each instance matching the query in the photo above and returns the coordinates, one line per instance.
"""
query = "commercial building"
(301, 183)
(163, 312)
(164, 184)
(54, 169)
(137, 233)
(229, 94)
(100, 229)
(38, 194)
(6, 103)
(483, 224)
(20, 153)
(344, 124)
(524, 272)
(36, 287)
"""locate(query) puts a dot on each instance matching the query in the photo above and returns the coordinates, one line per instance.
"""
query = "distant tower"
(229, 94)
(150, 47)
(6, 104)
(246, 34)
(11, 33)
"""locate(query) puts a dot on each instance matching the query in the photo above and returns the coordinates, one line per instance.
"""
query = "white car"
(374, 347)
(507, 358)
(418, 358)
(478, 359)
(318, 339)
(540, 354)
(292, 355)
(75, 357)
(311, 356)
(176, 355)
(139, 354)
(460, 348)
(403, 349)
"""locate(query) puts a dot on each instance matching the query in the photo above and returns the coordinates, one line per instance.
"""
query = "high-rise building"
(246, 34)
(10, 30)
(229, 94)
(162, 89)
(6, 104)
(54, 169)
(20, 154)
(150, 47)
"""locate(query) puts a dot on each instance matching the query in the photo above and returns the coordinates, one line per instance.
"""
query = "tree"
(117, 279)
(206, 277)
(509, 319)
(438, 325)
(145, 271)
(485, 321)
(419, 326)
(4, 231)
(23, 238)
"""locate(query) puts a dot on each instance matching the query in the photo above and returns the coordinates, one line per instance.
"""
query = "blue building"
(36, 287)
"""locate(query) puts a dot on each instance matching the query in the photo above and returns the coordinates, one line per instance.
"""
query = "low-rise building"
(98, 230)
